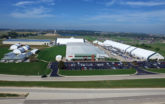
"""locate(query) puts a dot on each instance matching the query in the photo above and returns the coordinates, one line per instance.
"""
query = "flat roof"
(82, 49)
(29, 40)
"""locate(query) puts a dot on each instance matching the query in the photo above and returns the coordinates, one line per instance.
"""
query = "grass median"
(157, 70)
(97, 72)
(136, 83)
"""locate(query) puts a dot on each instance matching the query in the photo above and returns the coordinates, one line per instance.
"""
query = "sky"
(141, 16)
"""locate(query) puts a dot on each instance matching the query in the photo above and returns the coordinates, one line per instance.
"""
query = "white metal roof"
(64, 41)
(130, 49)
(83, 48)
(142, 53)
(117, 45)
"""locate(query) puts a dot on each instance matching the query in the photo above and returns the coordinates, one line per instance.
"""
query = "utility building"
(64, 41)
(27, 41)
(83, 52)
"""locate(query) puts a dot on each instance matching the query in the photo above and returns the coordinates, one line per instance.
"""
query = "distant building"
(64, 41)
(27, 41)
(84, 52)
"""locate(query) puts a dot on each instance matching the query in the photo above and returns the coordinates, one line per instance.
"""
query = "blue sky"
(147, 16)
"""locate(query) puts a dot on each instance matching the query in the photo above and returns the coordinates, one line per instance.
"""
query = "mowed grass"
(49, 54)
(8, 95)
(136, 83)
(3, 50)
(161, 46)
(96, 72)
(33, 68)
(157, 70)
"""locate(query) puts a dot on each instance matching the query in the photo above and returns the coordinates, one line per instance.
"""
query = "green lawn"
(8, 95)
(136, 83)
(49, 54)
(33, 68)
(3, 50)
(157, 70)
(96, 72)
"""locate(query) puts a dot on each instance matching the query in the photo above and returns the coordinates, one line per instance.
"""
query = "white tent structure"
(34, 51)
(26, 47)
(140, 53)
(19, 50)
(64, 41)
(15, 46)
(117, 45)
(98, 42)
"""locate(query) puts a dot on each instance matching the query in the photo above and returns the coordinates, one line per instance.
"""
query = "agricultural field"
(96, 72)
(49, 54)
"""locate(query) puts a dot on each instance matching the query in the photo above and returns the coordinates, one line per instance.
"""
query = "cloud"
(33, 13)
(110, 3)
(23, 3)
(151, 3)
(131, 17)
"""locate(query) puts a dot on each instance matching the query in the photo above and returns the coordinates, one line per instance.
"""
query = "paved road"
(87, 96)
(78, 78)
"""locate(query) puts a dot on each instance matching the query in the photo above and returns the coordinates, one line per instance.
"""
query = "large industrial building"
(27, 41)
(139, 53)
(64, 41)
(83, 51)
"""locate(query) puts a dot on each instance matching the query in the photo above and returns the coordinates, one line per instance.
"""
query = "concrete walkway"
(78, 78)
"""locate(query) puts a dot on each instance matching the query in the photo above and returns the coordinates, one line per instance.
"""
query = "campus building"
(27, 41)
(83, 52)
(64, 41)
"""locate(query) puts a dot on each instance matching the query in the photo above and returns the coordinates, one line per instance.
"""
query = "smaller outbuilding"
(64, 41)
(19, 50)
(26, 47)
(34, 51)
(15, 46)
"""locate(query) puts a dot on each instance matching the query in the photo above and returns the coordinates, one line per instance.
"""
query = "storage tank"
(19, 50)
(58, 58)
(26, 47)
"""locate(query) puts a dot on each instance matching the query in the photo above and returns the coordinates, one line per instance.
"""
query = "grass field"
(3, 51)
(49, 54)
(34, 68)
(96, 72)
(157, 70)
(8, 95)
(137, 83)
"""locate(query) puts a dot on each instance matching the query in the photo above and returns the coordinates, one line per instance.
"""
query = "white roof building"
(26, 47)
(64, 41)
(19, 50)
(34, 51)
(15, 46)
(134, 51)
(83, 51)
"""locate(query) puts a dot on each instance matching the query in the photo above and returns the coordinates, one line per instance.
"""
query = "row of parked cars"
(110, 65)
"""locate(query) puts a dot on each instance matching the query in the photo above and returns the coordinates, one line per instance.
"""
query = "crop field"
(96, 72)
(49, 54)
(33, 68)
